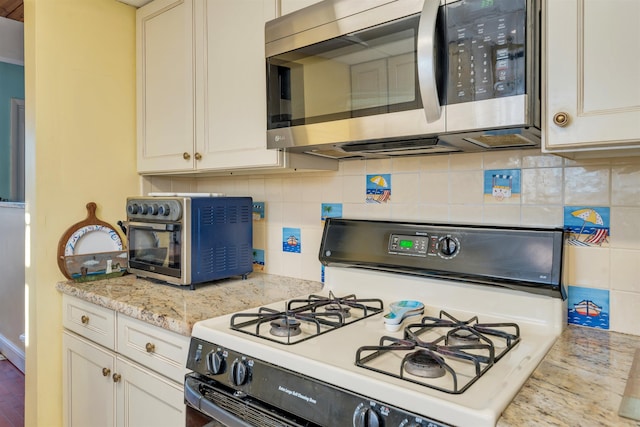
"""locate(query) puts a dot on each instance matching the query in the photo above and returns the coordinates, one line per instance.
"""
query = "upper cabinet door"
(165, 85)
(592, 70)
(231, 85)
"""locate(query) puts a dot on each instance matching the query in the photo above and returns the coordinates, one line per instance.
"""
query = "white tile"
(507, 159)
(533, 159)
(354, 188)
(310, 215)
(355, 210)
(434, 163)
(273, 189)
(542, 186)
(378, 211)
(501, 214)
(434, 188)
(466, 187)
(587, 266)
(406, 164)
(352, 167)
(311, 188)
(625, 228)
(465, 213)
(160, 184)
(625, 270)
(586, 186)
(549, 216)
(291, 214)
(469, 161)
(405, 187)
(273, 262)
(292, 264)
(378, 166)
(436, 213)
(311, 267)
(332, 189)
(625, 185)
(624, 314)
(311, 237)
(406, 211)
(291, 189)
(256, 189)
(273, 213)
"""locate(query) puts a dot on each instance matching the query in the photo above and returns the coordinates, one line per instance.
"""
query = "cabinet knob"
(106, 372)
(150, 347)
(561, 119)
(186, 156)
(198, 156)
(84, 319)
(117, 378)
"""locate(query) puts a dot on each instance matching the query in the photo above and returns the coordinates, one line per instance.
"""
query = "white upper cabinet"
(288, 6)
(591, 75)
(165, 86)
(202, 88)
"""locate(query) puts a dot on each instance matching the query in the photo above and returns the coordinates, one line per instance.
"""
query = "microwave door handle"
(426, 60)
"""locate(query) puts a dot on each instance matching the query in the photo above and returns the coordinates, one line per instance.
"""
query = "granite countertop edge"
(178, 308)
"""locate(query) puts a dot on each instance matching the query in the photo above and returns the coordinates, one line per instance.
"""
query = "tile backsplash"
(454, 188)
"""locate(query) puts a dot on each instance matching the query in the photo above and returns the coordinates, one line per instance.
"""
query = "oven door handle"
(153, 227)
(194, 398)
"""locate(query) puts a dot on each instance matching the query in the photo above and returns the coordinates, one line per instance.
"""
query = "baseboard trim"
(12, 352)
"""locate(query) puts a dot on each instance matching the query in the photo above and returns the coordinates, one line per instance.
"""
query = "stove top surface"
(470, 398)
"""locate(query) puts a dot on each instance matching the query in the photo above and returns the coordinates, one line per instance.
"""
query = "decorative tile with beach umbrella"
(378, 188)
(587, 225)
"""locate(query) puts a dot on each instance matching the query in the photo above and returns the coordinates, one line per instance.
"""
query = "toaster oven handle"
(426, 51)
(196, 400)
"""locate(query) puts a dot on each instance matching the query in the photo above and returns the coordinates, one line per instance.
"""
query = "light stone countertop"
(579, 383)
(177, 308)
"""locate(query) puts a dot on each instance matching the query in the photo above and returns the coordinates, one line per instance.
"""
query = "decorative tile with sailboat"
(588, 307)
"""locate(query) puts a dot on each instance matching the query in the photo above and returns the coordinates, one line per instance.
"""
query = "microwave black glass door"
(368, 72)
(156, 249)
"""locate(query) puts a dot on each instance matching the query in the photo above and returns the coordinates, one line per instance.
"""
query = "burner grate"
(284, 327)
(463, 350)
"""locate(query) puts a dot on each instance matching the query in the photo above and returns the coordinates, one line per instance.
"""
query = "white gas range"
(483, 306)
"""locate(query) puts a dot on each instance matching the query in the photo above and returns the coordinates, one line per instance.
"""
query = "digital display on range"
(400, 244)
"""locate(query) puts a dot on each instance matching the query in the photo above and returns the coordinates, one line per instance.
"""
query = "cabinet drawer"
(89, 320)
(151, 346)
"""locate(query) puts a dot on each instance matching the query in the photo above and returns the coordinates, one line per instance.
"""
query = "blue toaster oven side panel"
(222, 237)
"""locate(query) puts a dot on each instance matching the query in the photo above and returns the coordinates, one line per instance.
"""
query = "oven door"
(156, 248)
(208, 400)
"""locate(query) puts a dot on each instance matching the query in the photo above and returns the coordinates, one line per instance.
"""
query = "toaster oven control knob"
(239, 372)
(144, 209)
(164, 210)
(448, 246)
(366, 417)
(133, 209)
(216, 363)
(153, 209)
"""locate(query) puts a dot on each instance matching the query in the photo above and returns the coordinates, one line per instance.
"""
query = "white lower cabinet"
(102, 387)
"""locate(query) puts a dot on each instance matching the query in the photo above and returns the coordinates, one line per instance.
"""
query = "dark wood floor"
(11, 395)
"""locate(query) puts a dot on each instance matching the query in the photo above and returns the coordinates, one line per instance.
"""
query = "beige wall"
(80, 143)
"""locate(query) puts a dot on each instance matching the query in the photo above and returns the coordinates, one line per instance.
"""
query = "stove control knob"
(239, 372)
(449, 246)
(216, 363)
(366, 417)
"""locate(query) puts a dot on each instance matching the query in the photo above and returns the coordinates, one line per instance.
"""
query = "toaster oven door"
(155, 250)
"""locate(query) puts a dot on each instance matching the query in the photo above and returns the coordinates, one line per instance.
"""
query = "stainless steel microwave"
(185, 240)
(379, 78)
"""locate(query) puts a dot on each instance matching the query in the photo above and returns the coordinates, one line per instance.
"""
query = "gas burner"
(285, 327)
(303, 319)
(462, 336)
(338, 308)
(424, 363)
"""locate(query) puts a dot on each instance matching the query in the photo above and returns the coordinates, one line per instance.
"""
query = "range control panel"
(443, 245)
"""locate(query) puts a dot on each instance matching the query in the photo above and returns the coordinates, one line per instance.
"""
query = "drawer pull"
(106, 372)
(117, 378)
(84, 319)
(150, 347)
